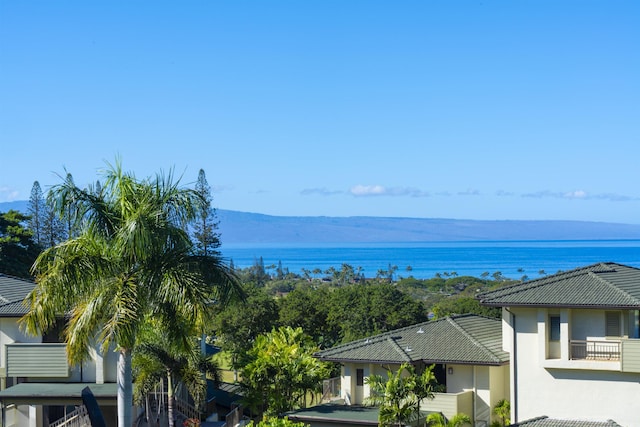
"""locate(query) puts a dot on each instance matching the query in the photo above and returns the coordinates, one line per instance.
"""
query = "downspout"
(514, 360)
(475, 396)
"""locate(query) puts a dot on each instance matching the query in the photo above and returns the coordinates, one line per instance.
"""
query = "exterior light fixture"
(450, 370)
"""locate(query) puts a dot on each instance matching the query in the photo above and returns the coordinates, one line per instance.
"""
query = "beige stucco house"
(470, 365)
(573, 340)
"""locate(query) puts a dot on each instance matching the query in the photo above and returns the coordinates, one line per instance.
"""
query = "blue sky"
(450, 109)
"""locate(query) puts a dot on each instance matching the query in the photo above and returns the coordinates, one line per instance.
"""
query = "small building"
(470, 366)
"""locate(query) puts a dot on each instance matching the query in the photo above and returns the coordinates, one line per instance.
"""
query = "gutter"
(514, 359)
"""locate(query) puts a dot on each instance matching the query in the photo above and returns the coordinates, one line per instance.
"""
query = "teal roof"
(13, 291)
(550, 422)
(339, 414)
(466, 339)
(602, 285)
(56, 393)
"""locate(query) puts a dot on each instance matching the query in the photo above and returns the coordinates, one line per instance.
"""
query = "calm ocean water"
(512, 258)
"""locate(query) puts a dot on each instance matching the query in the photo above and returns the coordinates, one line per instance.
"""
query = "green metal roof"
(56, 393)
(13, 291)
(466, 339)
(550, 422)
(602, 285)
(339, 414)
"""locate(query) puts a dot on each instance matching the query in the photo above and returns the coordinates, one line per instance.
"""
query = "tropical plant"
(276, 422)
(503, 411)
(394, 395)
(130, 261)
(282, 371)
(424, 384)
(436, 419)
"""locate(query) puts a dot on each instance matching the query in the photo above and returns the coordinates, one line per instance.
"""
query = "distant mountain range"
(252, 228)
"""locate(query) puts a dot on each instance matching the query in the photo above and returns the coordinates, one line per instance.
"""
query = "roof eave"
(534, 305)
(426, 361)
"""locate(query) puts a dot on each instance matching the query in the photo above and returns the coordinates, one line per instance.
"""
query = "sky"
(431, 109)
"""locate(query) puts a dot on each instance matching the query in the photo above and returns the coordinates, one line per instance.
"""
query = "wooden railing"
(595, 350)
(331, 389)
(77, 418)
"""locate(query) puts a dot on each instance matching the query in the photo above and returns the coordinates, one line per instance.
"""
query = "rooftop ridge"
(399, 349)
(544, 281)
(612, 286)
(471, 338)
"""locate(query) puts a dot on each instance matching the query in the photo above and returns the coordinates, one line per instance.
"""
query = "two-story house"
(573, 340)
(470, 365)
(37, 384)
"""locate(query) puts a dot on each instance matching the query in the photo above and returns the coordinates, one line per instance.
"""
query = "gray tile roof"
(550, 422)
(602, 285)
(467, 339)
(12, 293)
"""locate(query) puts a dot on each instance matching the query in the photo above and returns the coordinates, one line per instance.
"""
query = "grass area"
(223, 359)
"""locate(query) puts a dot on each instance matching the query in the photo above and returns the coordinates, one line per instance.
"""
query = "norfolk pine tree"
(206, 224)
(37, 209)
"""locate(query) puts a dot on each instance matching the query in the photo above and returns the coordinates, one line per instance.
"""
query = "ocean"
(513, 259)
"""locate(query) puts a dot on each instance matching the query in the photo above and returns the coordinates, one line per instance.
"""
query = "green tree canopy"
(463, 305)
(237, 325)
(18, 251)
(282, 371)
(363, 310)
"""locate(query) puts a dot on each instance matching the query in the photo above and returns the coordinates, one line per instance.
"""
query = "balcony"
(36, 360)
(595, 350)
(600, 355)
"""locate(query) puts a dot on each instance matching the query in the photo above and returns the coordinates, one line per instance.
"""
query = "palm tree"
(181, 363)
(436, 419)
(423, 384)
(130, 261)
(395, 397)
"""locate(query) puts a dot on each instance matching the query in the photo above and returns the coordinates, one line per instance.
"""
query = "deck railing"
(595, 350)
(78, 418)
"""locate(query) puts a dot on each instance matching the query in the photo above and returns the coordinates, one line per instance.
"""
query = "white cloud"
(380, 190)
(368, 190)
(578, 194)
(469, 192)
(8, 194)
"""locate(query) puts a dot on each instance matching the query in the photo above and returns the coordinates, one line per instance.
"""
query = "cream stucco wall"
(567, 389)
(487, 385)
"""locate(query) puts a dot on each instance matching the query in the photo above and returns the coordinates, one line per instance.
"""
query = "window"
(554, 328)
(612, 324)
(359, 376)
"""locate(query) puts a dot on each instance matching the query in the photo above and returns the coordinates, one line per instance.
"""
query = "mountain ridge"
(238, 227)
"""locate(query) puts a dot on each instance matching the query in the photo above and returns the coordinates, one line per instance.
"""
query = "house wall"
(487, 384)
(571, 389)
(10, 333)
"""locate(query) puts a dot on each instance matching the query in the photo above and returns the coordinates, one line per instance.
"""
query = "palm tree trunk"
(171, 401)
(125, 389)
